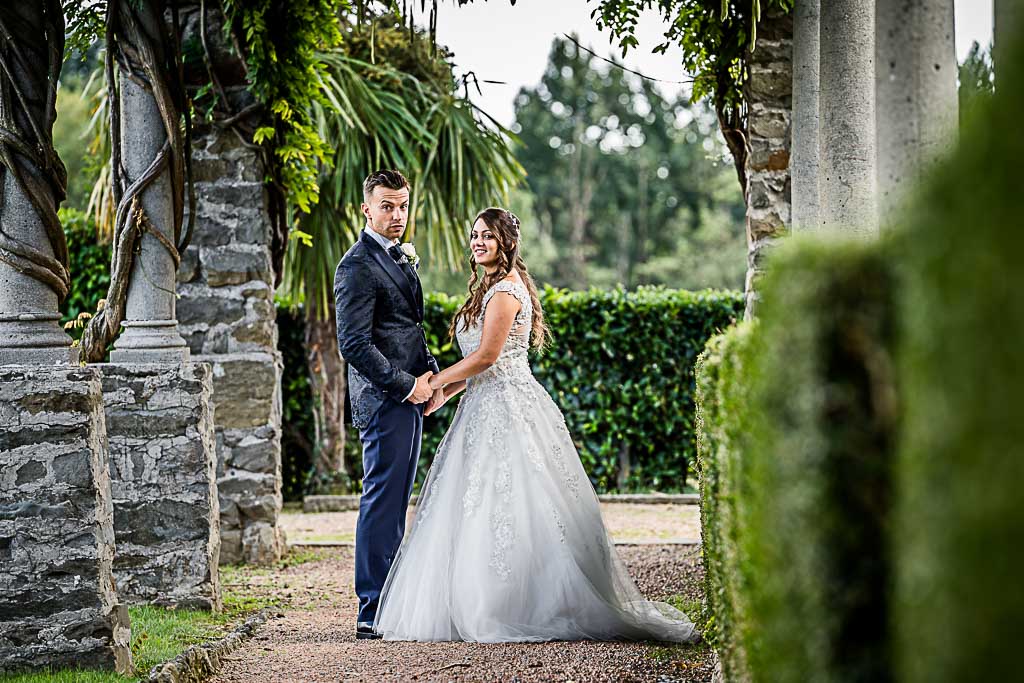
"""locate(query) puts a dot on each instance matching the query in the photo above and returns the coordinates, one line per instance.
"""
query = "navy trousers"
(391, 449)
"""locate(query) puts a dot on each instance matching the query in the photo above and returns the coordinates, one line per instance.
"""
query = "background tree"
(631, 183)
(976, 80)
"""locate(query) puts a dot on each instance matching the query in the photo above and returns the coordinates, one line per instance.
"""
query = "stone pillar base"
(150, 341)
(163, 483)
(58, 607)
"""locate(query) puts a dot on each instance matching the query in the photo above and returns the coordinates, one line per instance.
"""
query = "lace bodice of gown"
(513, 363)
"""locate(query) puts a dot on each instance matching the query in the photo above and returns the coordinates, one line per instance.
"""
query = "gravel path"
(312, 639)
(627, 523)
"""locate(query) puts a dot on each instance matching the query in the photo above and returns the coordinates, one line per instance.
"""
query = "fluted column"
(804, 164)
(847, 106)
(916, 96)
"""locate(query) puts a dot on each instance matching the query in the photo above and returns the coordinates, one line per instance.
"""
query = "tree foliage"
(977, 82)
(281, 43)
(631, 183)
(715, 37)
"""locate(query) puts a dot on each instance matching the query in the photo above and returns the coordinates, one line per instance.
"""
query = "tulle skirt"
(508, 543)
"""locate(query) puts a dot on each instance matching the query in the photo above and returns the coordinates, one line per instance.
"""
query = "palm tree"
(393, 103)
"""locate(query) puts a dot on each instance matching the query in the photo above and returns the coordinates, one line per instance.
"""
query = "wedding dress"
(508, 543)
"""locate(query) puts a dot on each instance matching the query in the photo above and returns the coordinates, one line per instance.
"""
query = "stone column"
(916, 96)
(58, 606)
(847, 123)
(150, 325)
(1008, 20)
(768, 93)
(33, 252)
(804, 166)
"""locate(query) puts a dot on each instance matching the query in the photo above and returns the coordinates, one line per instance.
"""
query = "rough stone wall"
(768, 93)
(163, 483)
(58, 606)
(226, 313)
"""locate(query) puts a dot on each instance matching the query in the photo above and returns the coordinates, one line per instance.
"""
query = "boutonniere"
(410, 253)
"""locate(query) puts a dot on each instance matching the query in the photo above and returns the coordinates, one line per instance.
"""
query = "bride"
(508, 542)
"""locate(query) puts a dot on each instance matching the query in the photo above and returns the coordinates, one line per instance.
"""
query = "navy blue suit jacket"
(380, 328)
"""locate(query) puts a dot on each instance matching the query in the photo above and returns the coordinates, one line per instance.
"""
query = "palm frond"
(458, 160)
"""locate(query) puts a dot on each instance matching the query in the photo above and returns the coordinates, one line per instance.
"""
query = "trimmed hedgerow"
(721, 394)
(799, 418)
(959, 541)
(620, 367)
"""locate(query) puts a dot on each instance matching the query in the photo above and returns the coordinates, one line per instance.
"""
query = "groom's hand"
(421, 392)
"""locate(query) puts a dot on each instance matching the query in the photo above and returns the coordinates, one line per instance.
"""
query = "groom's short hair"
(389, 178)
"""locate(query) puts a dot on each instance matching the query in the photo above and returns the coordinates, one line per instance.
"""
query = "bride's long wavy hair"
(506, 228)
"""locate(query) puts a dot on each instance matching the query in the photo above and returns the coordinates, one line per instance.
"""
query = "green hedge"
(620, 366)
(861, 447)
(960, 538)
(89, 265)
(799, 432)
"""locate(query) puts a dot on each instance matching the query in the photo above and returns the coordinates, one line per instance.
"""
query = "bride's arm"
(499, 318)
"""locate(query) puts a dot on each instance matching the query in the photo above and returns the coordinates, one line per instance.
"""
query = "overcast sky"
(499, 42)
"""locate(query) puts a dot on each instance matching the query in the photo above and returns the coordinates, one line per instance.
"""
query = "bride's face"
(483, 244)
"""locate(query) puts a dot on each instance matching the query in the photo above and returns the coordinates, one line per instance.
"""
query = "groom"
(380, 333)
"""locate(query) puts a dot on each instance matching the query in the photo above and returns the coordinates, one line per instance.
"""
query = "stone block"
(163, 469)
(202, 305)
(246, 389)
(188, 269)
(235, 264)
(58, 605)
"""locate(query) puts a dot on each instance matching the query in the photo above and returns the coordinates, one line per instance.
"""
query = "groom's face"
(386, 211)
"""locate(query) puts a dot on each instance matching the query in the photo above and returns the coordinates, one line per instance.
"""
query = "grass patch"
(682, 656)
(326, 538)
(160, 634)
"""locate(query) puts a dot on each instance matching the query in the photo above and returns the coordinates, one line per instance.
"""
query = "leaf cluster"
(281, 43)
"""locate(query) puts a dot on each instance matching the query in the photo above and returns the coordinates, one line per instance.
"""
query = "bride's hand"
(435, 402)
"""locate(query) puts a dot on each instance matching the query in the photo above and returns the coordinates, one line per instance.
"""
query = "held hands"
(436, 401)
(422, 391)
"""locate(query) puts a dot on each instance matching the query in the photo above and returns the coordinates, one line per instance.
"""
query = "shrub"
(620, 367)
(799, 437)
(89, 266)
(961, 511)
(720, 395)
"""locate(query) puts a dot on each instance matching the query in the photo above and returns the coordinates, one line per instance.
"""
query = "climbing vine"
(280, 42)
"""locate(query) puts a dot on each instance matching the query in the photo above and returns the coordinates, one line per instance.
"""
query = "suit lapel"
(394, 272)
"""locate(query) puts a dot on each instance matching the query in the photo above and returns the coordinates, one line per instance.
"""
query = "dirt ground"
(628, 523)
(311, 636)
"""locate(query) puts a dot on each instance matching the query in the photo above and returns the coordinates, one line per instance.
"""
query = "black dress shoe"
(366, 633)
